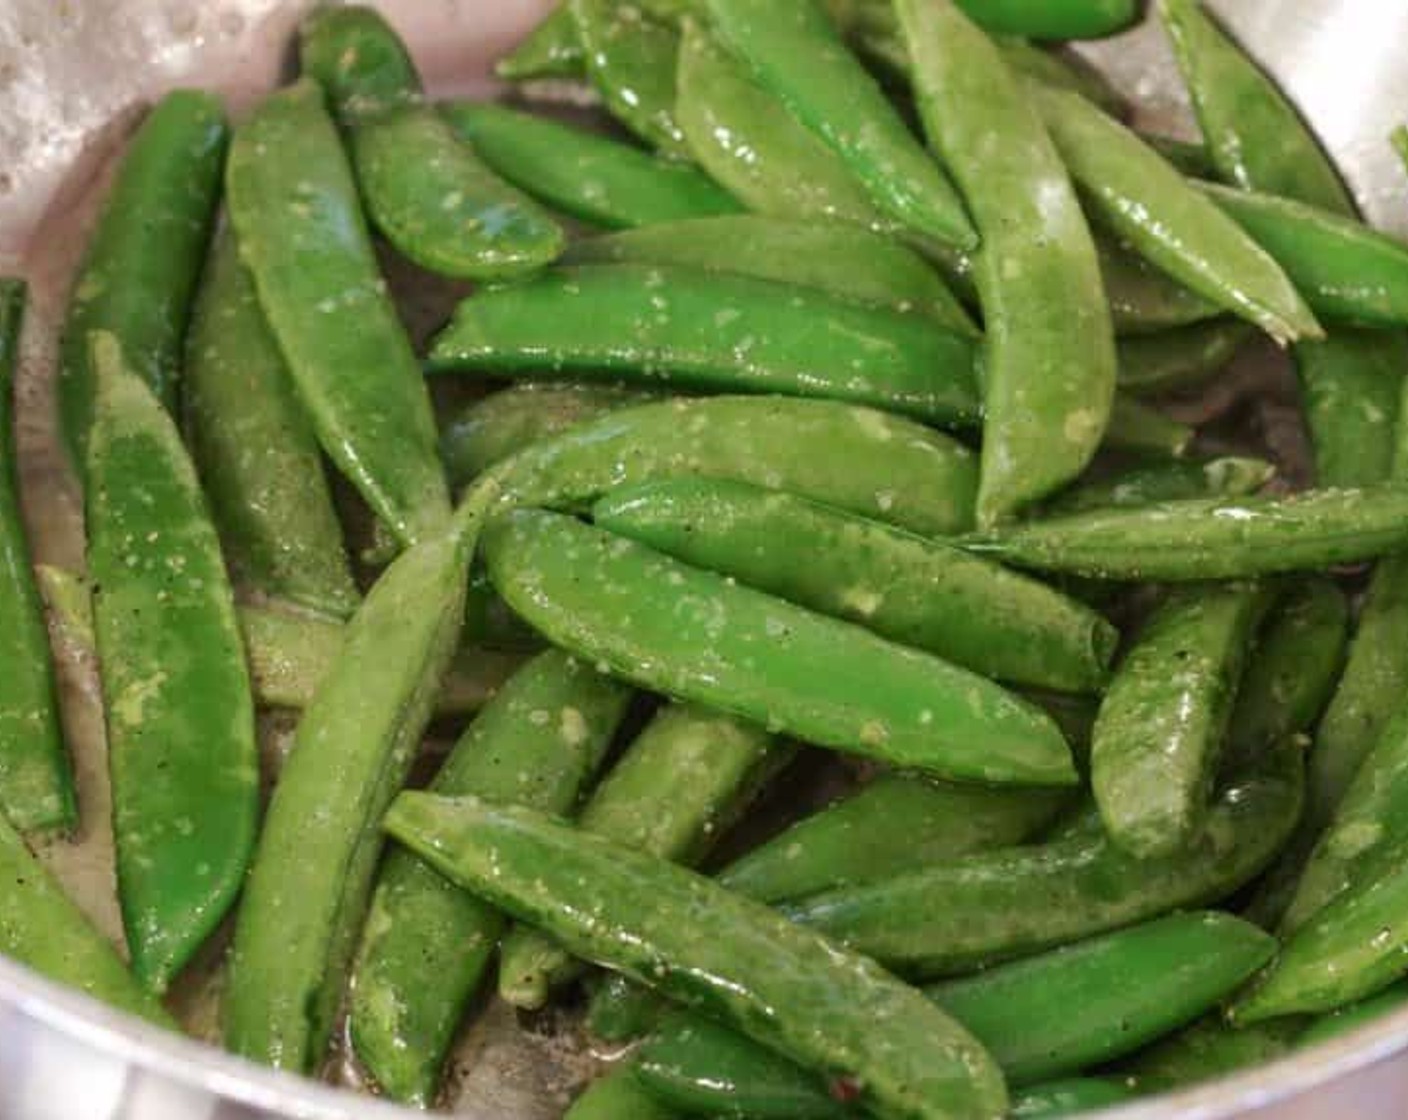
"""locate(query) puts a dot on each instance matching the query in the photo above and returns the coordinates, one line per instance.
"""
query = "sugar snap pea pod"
(1049, 361)
(302, 236)
(618, 1095)
(1181, 358)
(580, 173)
(1159, 733)
(1351, 389)
(1062, 19)
(918, 592)
(255, 449)
(41, 928)
(1355, 1015)
(980, 908)
(1217, 538)
(695, 329)
(426, 945)
(842, 260)
(303, 904)
(890, 468)
(1146, 201)
(553, 49)
(676, 789)
(795, 52)
(1163, 482)
(1067, 1097)
(1189, 156)
(176, 692)
(1142, 298)
(709, 948)
(1209, 1048)
(144, 257)
(36, 784)
(1141, 429)
(695, 635)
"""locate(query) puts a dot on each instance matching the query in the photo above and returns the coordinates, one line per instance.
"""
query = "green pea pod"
(426, 945)
(1142, 298)
(488, 620)
(1180, 358)
(599, 180)
(1146, 201)
(796, 53)
(895, 824)
(144, 257)
(553, 49)
(877, 464)
(703, 945)
(303, 238)
(914, 591)
(1068, 1097)
(677, 326)
(677, 788)
(1164, 482)
(258, 457)
(1354, 1016)
(980, 908)
(43, 930)
(179, 712)
(1351, 385)
(840, 260)
(1049, 361)
(691, 634)
(1208, 1049)
(36, 784)
(618, 1095)
(621, 1011)
(304, 902)
(1215, 538)
(1189, 156)
(1159, 734)
(1141, 429)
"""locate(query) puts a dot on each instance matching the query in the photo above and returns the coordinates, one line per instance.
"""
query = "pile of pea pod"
(803, 429)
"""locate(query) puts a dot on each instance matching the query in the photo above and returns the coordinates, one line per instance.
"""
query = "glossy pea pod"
(1049, 358)
(1143, 299)
(312, 875)
(1230, 476)
(692, 634)
(705, 946)
(1179, 359)
(986, 907)
(920, 593)
(1355, 1015)
(144, 257)
(1061, 19)
(302, 236)
(712, 331)
(428, 193)
(618, 1095)
(553, 49)
(1158, 737)
(674, 791)
(426, 945)
(257, 454)
(36, 783)
(178, 709)
(591, 177)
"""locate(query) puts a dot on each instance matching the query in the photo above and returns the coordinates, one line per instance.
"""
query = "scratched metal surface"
(73, 77)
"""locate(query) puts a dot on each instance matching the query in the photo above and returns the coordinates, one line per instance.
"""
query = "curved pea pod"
(303, 238)
(796, 53)
(840, 260)
(1217, 538)
(1068, 1097)
(701, 330)
(1049, 358)
(43, 930)
(1142, 298)
(36, 784)
(1351, 389)
(618, 1095)
(1054, 19)
(683, 782)
(705, 946)
(1230, 477)
(553, 49)
(426, 945)
(1355, 1015)
(599, 180)
(885, 466)
(914, 591)
(307, 892)
(1141, 429)
(697, 636)
(1159, 735)
(255, 449)
(176, 692)
(144, 258)
(1180, 358)
(985, 907)
(1209, 1048)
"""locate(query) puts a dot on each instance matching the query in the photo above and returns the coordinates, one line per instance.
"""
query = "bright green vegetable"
(580, 173)
(691, 634)
(1181, 358)
(694, 329)
(426, 945)
(1208, 1049)
(1165, 482)
(303, 238)
(1049, 361)
(1142, 298)
(707, 947)
(1356, 1015)
(258, 457)
(619, 1010)
(914, 591)
(1351, 386)
(618, 1096)
(179, 714)
(630, 59)
(553, 49)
